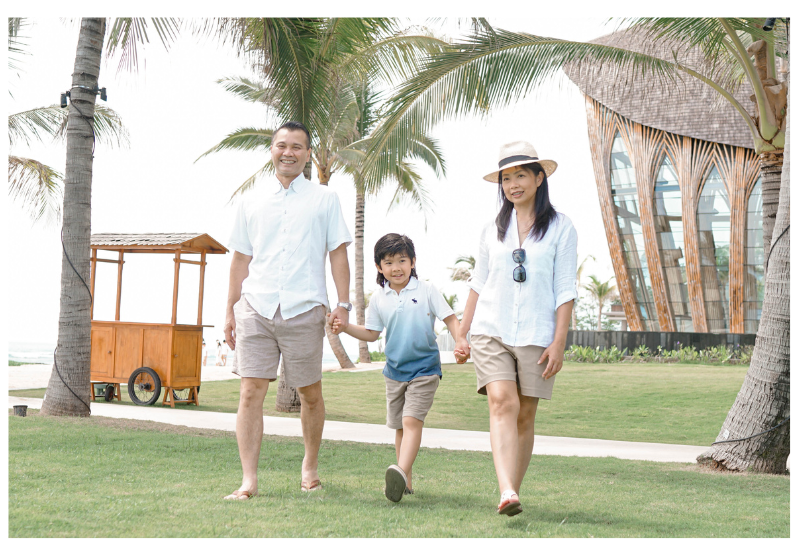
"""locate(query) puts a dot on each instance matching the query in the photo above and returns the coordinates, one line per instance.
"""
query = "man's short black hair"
(296, 126)
(393, 244)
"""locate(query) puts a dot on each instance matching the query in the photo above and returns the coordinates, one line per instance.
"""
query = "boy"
(407, 307)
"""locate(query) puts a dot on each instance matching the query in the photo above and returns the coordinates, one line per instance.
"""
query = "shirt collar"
(297, 185)
(413, 283)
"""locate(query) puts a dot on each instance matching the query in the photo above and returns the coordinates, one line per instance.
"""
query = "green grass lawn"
(101, 477)
(18, 363)
(658, 403)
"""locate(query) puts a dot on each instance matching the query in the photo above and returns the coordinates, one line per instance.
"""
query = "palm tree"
(578, 286)
(462, 273)
(33, 184)
(763, 400)
(602, 292)
(496, 68)
(68, 390)
(315, 71)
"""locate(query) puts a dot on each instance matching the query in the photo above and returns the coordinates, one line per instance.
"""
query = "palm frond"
(108, 127)
(128, 33)
(243, 139)
(52, 120)
(17, 45)
(23, 127)
(36, 186)
(250, 90)
(490, 70)
(248, 184)
(410, 188)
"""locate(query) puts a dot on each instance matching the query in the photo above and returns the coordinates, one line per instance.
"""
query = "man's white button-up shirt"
(524, 313)
(289, 232)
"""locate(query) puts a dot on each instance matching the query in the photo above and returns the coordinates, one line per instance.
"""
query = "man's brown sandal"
(310, 487)
(240, 495)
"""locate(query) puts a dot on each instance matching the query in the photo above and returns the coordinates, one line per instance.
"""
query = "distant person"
(407, 307)
(518, 310)
(205, 353)
(219, 354)
(224, 353)
(277, 298)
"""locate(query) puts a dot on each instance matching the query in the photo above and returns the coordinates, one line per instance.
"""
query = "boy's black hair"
(296, 126)
(393, 244)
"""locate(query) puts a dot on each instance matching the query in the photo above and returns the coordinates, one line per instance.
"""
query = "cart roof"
(190, 243)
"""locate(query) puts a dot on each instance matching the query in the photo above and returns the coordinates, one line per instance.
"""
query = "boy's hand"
(336, 326)
(462, 351)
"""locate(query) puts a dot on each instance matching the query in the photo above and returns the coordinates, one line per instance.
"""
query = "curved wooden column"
(739, 169)
(601, 125)
(644, 148)
(691, 158)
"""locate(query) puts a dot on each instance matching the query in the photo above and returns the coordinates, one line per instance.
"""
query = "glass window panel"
(714, 233)
(626, 210)
(669, 234)
(754, 261)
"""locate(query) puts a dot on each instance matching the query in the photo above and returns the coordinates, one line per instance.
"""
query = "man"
(277, 298)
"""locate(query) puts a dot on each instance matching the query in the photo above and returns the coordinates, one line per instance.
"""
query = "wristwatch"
(347, 306)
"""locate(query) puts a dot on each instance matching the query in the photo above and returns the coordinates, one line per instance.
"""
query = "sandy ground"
(37, 375)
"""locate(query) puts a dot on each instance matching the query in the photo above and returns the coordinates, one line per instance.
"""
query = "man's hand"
(555, 358)
(230, 330)
(340, 314)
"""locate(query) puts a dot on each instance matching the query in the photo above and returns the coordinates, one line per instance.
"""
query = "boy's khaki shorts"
(413, 398)
(495, 360)
(260, 342)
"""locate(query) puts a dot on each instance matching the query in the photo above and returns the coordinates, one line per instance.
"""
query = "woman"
(518, 310)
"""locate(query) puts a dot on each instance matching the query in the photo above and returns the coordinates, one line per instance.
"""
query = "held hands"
(336, 325)
(555, 358)
(462, 351)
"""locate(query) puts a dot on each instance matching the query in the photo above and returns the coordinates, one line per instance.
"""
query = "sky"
(174, 111)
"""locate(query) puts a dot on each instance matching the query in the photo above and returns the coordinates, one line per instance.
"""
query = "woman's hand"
(554, 354)
(462, 351)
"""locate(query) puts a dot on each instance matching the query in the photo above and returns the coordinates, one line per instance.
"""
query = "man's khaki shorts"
(260, 342)
(495, 360)
(413, 398)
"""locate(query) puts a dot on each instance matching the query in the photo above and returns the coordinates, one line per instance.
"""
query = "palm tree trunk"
(334, 340)
(763, 401)
(287, 399)
(74, 321)
(771, 166)
(600, 316)
(363, 348)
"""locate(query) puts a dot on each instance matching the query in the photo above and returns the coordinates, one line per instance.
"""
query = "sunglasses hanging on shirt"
(519, 257)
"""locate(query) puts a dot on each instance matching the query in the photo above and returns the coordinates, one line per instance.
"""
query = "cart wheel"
(144, 386)
(183, 394)
(109, 393)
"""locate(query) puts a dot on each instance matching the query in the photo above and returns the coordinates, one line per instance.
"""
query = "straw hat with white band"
(519, 153)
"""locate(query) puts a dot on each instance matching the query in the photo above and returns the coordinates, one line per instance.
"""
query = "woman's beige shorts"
(413, 398)
(495, 360)
(260, 342)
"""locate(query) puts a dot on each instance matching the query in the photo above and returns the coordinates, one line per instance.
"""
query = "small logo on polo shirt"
(415, 301)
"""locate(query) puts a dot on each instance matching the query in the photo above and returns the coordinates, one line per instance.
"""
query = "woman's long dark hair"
(543, 211)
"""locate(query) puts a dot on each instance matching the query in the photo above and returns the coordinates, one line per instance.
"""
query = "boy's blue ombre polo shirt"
(408, 317)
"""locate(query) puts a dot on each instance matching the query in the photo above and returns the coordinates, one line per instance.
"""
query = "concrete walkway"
(373, 433)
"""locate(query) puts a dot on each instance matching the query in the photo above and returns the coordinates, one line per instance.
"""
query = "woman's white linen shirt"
(524, 313)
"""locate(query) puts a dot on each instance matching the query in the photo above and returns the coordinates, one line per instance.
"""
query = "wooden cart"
(149, 356)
